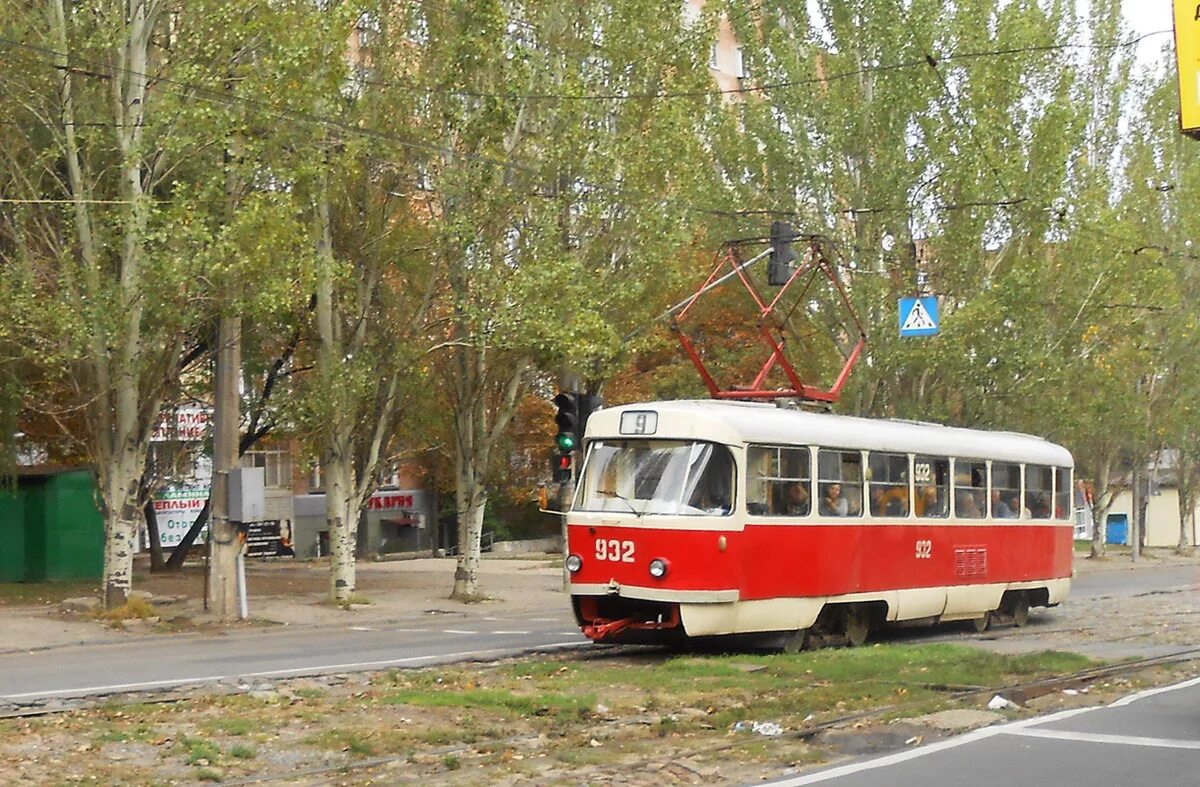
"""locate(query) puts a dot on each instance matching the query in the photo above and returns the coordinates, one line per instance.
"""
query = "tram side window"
(1006, 490)
(839, 482)
(888, 484)
(970, 489)
(931, 477)
(1038, 490)
(1062, 492)
(779, 481)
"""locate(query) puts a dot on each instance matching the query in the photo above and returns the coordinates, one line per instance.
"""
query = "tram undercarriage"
(618, 620)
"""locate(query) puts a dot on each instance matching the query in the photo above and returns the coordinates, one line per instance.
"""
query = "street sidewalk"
(294, 593)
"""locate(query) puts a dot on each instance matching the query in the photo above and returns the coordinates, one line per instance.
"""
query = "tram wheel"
(856, 624)
(1018, 609)
(982, 624)
(796, 641)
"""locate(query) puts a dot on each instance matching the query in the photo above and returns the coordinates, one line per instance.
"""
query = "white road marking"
(458, 631)
(545, 620)
(1141, 695)
(284, 673)
(413, 631)
(1021, 727)
(1095, 737)
(912, 754)
(509, 632)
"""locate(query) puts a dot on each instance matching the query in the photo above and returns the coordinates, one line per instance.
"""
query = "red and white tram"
(696, 519)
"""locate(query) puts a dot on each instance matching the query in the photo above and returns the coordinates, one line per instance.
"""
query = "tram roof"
(737, 423)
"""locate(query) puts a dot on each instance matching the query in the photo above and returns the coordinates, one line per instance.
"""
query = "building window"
(276, 465)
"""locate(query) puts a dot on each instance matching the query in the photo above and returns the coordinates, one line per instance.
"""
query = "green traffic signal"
(566, 442)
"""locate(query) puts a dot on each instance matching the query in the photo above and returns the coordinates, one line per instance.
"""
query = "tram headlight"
(574, 563)
(658, 568)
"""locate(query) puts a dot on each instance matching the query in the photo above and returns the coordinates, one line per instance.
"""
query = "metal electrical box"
(247, 494)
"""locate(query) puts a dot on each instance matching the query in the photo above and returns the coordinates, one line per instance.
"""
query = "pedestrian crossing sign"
(918, 316)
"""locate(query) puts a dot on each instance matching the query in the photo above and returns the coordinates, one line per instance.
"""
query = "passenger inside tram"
(968, 505)
(1000, 506)
(798, 502)
(929, 502)
(889, 500)
(833, 503)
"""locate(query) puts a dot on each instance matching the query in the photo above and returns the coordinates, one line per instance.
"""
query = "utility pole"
(225, 544)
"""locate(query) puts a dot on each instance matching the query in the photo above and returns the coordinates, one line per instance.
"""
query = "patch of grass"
(442, 736)
(583, 755)
(243, 752)
(451, 762)
(541, 704)
(209, 775)
(341, 739)
(135, 608)
(309, 693)
(198, 749)
(234, 725)
(111, 733)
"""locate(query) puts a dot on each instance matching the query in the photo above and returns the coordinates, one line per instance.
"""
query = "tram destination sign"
(639, 422)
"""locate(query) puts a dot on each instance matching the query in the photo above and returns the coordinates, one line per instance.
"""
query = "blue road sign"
(918, 316)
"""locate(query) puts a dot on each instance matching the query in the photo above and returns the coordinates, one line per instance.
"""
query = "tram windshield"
(640, 477)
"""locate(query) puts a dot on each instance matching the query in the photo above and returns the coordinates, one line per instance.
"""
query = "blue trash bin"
(1116, 529)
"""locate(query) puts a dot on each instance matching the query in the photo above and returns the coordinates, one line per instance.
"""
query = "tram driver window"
(970, 489)
(887, 476)
(931, 479)
(667, 477)
(839, 483)
(779, 482)
(1038, 491)
(1006, 491)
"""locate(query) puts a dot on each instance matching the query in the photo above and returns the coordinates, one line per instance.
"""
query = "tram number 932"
(924, 549)
(614, 550)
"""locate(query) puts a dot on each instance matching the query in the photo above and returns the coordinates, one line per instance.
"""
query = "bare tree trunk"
(119, 493)
(1184, 469)
(471, 497)
(1101, 502)
(342, 519)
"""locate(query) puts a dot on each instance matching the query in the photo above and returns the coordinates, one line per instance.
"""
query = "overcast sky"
(1148, 16)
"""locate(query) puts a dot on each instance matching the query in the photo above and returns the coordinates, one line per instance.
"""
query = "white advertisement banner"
(190, 425)
(176, 510)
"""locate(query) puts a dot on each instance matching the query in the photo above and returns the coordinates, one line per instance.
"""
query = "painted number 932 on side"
(614, 550)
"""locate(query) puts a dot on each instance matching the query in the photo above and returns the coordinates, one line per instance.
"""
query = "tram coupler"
(600, 628)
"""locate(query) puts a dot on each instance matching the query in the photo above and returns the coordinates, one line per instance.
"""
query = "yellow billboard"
(1187, 54)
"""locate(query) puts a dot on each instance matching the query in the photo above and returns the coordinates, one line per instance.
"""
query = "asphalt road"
(1149, 738)
(181, 660)
(1125, 581)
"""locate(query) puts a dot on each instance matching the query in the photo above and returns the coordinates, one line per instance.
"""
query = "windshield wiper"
(622, 498)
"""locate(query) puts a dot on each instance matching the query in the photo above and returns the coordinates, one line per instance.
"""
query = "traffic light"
(574, 409)
(569, 434)
(779, 265)
(561, 467)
